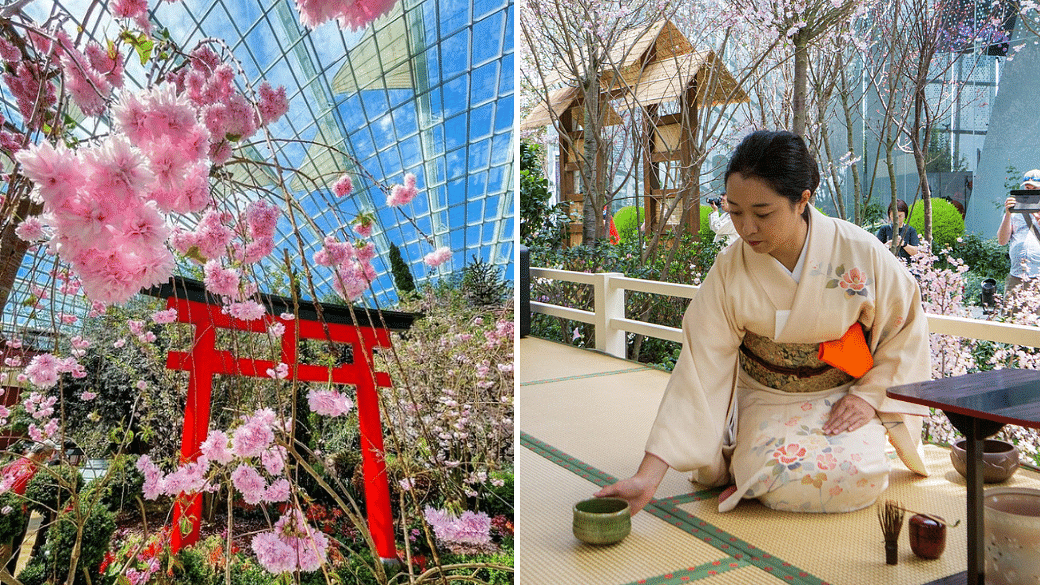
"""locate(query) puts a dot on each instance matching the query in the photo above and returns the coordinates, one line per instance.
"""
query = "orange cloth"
(849, 354)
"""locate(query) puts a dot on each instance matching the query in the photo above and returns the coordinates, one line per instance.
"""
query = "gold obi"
(788, 367)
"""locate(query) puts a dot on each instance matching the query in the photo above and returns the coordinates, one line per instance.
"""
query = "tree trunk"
(13, 248)
(916, 144)
(592, 216)
(801, 77)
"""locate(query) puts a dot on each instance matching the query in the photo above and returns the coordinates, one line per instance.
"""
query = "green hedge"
(947, 223)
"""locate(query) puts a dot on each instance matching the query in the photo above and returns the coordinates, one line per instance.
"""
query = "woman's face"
(766, 220)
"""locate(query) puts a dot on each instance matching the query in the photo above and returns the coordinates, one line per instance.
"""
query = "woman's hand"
(848, 414)
(640, 488)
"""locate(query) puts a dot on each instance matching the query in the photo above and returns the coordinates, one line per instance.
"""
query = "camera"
(1026, 200)
(716, 201)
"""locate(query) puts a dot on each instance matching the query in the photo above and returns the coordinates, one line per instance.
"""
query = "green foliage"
(34, 573)
(627, 221)
(499, 499)
(403, 279)
(689, 260)
(985, 257)
(491, 576)
(541, 222)
(121, 483)
(705, 227)
(98, 527)
(483, 285)
(191, 566)
(13, 522)
(52, 487)
(947, 223)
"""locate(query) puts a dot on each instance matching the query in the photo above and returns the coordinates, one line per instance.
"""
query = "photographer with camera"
(1020, 230)
(720, 222)
(907, 241)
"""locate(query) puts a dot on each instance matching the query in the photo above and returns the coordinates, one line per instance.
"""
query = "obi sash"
(788, 367)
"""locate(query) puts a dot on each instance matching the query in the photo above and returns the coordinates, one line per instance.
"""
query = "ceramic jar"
(999, 459)
(1012, 533)
(602, 520)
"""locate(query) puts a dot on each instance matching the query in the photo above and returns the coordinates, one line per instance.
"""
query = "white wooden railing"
(611, 326)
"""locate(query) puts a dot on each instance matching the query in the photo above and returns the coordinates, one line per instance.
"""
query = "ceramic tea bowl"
(1012, 535)
(999, 459)
(602, 520)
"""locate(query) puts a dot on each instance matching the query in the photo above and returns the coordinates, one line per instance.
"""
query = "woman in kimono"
(750, 403)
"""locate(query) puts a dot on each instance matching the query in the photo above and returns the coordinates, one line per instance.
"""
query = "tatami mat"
(855, 547)
(596, 410)
(547, 553)
(545, 360)
(604, 422)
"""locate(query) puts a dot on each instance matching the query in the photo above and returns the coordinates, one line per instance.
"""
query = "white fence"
(610, 323)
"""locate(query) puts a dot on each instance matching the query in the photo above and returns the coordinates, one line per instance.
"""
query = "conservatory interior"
(256, 318)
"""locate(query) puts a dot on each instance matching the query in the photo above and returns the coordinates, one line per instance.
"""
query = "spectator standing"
(721, 223)
(908, 241)
(1020, 230)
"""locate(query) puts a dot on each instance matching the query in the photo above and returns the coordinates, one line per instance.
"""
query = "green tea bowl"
(602, 520)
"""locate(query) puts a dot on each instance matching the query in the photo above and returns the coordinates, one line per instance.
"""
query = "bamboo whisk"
(891, 517)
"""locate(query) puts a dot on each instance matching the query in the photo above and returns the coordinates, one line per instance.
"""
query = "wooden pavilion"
(655, 73)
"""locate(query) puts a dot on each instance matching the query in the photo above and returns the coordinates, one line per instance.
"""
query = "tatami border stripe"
(688, 575)
(584, 376)
(669, 511)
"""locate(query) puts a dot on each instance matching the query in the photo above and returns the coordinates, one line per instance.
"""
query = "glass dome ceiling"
(426, 89)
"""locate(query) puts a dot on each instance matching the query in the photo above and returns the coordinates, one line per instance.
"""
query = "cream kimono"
(719, 422)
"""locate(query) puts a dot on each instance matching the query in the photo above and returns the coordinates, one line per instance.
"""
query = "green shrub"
(486, 575)
(499, 499)
(50, 489)
(947, 223)
(984, 257)
(627, 221)
(12, 523)
(705, 230)
(191, 566)
(61, 539)
(34, 573)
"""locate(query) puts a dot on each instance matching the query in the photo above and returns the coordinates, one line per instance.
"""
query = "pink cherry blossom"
(353, 14)
(246, 311)
(220, 280)
(438, 256)
(343, 186)
(252, 437)
(247, 480)
(164, 317)
(278, 491)
(215, 447)
(279, 372)
(403, 194)
(31, 229)
(273, 104)
(329, 402)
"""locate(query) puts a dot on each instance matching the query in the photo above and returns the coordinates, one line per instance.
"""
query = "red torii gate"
(336, 323)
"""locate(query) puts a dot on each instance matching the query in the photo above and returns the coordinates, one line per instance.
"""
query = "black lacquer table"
(978, 405)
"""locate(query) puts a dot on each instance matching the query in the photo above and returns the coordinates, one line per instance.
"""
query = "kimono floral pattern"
(800, 469)
(853, 281)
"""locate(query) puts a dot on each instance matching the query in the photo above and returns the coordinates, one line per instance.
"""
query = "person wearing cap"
(1020, 230)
